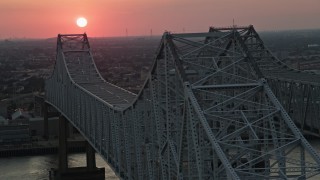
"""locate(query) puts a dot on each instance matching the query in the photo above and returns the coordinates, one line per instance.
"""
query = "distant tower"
(150, 33)
(233, 25)
(183, 30)
(126, 32)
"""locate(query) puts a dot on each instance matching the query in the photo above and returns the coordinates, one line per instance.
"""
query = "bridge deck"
(83, 72)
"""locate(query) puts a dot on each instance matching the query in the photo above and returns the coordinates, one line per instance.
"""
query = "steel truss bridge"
(215, 105)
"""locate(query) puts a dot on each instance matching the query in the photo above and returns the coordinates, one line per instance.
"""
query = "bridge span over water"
(215, 105)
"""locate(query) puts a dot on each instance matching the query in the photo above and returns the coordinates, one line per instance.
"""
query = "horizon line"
(139, 36)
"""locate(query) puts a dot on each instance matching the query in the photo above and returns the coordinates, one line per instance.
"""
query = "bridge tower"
(206, 110)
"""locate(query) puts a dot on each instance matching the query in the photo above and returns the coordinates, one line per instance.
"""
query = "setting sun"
(82, 22)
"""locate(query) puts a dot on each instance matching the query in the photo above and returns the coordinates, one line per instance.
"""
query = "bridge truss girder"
(298, 91)
(206, 111)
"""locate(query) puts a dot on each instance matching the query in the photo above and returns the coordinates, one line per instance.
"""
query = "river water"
(37, 167)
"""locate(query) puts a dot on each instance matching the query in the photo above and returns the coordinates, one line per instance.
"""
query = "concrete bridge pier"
(45, 121)
(90, 172)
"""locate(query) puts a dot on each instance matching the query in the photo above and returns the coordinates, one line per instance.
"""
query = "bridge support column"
(45, 121)
(70, 131)
(91, 157)
(63, 157)
(90, 172)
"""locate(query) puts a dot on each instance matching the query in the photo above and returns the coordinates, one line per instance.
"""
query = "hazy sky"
(47, 18)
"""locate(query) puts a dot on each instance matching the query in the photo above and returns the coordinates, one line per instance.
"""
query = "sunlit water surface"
(37, 167)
